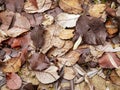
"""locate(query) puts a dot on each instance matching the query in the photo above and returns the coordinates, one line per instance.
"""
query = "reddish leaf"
(34, 3)
(13, 81)
(39, 62)
(109, 60)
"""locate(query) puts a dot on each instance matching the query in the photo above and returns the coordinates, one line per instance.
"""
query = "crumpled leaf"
(48, 76)
(37, 37)
(66, 20)
(70, 58)
(52, 38)
(66, 34)
(61, 51)
(97, 10)
(42, 5)
(91, 29)
(12, 65)
(14, 5)
(13, 81)
(69, 73)
(39, 62)
(109, 60)
(71, 6)
(28, 76)
(115, 78)
(6, 18)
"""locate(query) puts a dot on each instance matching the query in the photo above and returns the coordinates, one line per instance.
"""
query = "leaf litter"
(59, 45)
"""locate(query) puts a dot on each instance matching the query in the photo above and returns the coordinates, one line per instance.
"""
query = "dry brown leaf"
(61, 51)
(69, 73)
(111, 86)
(66, 20)
(115, 78)
(13, 81)
(70, 6)
(118, 11)
(97, 10)
(98, 82)
(66, 34)
(51, 38)
(12, 65)
(28, 76)
(6, 18)
(48, 76)
(70, 58)
(42, 5)
(3, 35)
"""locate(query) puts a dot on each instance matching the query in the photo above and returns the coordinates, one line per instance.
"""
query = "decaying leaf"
(97, 10)
(66, 34)
(70, 58)
(71, 6)
(39, 62)
(118, 11)
(3, 36)
(12, 65)
(13, 81)
(91, 29)
(48, 76)
(67, 20)
(37, 37)
(69, 73)
(42, 5)
(109, 60)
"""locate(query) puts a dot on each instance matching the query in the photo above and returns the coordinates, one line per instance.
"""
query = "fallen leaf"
(28, 76)
(70, 58)
(51, 38)
(112, 86)
(115, 78)
(118, 11)
(71, 6)
(42, 5)
(37, 37)
(91, 29)
(98, 82)
(67, 20)
(3, 36)
(69, 73)
(6, 18)
(29, 86)
(12, 65)
(13, 81)
(61, 51)
(66, 34)
(109, 60)
(97, 10)
(39, 62)
(14, 5)
(48, 76)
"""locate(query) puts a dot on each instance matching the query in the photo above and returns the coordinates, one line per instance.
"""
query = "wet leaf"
(13, 81)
